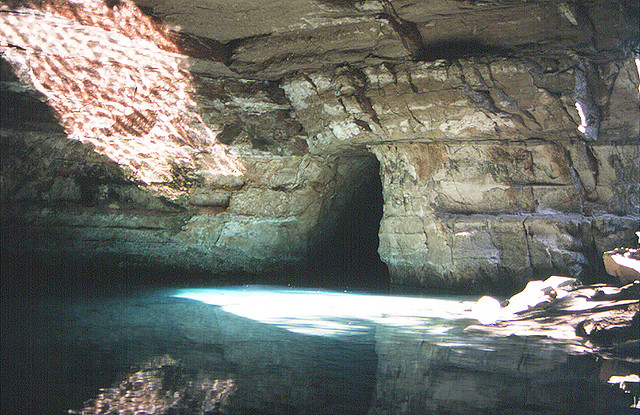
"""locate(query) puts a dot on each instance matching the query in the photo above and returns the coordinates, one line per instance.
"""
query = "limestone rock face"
(493, 212)
(484, 173)
(465, 99)
(255, 136)
(261, 222)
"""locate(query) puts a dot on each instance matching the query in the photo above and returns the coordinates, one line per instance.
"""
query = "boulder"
(623, 263)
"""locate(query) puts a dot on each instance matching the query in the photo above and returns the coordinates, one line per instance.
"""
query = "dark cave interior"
(347, 249)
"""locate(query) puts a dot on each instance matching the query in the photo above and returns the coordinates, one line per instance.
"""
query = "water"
(270, 350)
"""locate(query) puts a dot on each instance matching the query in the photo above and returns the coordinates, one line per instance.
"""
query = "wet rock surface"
(623, 263)
(603, 315)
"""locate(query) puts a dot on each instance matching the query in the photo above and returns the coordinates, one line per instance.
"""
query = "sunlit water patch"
(327, 313)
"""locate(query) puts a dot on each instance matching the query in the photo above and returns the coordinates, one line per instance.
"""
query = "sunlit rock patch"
(598, 317)
(116, 80)
(623, 263)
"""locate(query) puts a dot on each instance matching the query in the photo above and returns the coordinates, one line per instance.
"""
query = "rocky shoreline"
(600, 319)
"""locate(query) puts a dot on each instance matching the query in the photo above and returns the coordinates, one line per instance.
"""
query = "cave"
(299, 206)
(230, 163)
(346, 251)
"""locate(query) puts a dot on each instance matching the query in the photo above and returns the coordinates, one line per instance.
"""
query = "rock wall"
(475, 213)
(463, 99)
(63, 201)
(500, 154)
(487, 178)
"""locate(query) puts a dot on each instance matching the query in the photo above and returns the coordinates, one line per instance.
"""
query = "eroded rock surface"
(505, 136)
(466, 99)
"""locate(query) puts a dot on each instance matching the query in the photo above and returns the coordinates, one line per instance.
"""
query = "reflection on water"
(162, 386)
(260, 350)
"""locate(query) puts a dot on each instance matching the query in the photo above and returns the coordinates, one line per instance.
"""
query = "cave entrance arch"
(345, 251)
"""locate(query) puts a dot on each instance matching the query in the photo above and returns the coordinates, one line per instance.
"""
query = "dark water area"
(279, 350)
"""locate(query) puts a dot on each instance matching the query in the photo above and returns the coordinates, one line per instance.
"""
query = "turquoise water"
(278, 350)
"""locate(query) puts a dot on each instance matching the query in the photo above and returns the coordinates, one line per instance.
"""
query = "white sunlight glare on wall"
(116, 81)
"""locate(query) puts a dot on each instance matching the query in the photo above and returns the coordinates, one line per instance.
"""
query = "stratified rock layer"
(486, 179)
(224, 139)
(459, 212)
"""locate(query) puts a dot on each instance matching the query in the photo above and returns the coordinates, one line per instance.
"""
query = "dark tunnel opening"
(346, 251)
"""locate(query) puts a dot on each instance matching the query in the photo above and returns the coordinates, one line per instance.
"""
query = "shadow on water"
(270, 350)
(62, 353)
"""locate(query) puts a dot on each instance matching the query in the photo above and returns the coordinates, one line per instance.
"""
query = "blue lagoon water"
(279, 350)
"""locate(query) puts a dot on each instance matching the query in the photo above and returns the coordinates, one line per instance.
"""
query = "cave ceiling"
(116, 70)
(267, 39)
